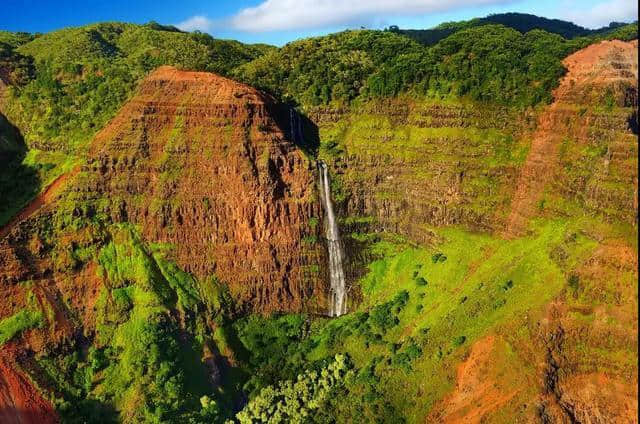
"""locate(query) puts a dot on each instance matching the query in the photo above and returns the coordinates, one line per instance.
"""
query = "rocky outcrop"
(206, 164)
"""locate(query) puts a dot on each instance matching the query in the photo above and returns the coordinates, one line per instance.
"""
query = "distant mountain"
(522, 22)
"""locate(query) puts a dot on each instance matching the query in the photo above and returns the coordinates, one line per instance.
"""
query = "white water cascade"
(338, 292)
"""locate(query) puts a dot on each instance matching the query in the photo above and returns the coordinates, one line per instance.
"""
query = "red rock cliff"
(205, 164)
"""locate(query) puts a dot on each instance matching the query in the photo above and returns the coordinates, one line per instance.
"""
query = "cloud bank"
(600, 14)
(199, 23)
(278, 15)
(285, 15)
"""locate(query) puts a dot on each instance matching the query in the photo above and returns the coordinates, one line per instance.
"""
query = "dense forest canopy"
(67, 84)
(487, 63)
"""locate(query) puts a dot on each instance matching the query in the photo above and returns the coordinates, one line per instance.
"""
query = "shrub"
(297, 401)
(438, 257)
(574, 284)
(459, 341)
(421, 281)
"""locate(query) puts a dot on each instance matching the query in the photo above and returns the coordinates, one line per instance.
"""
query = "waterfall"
(338, 292)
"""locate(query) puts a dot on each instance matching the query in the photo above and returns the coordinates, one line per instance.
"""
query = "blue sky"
(280, 21)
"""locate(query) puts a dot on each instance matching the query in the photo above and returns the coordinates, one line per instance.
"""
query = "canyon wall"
(410, 165)
(205, 164)
(206, 167)
(407, 167)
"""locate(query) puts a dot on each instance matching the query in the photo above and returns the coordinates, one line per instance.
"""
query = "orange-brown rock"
(481, 389)
(206, 164)
(593, 109)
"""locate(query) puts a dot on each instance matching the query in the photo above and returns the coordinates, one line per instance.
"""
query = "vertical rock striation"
(203, 163)
(592, 111)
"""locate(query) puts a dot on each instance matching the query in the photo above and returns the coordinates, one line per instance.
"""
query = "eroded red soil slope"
(607, 69)
(20, 401)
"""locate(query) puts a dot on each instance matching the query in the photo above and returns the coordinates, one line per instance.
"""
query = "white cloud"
(199, 22)
(272, 15)
(600, 14)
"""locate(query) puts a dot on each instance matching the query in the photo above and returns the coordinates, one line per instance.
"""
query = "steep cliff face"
(193, 203)
(413, 169)
(583, 154)
(205, 164)
(411, 165)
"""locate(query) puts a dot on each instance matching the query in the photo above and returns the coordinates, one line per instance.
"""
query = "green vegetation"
(15, 68)
(299, 401)
(18, 322)
(421, 308)
(415, 137)
(488, 62)
(390, 360)
(324, 69)
(169, 347)
(83, 75)
(145, 362)
(156, 377)
(35, 170)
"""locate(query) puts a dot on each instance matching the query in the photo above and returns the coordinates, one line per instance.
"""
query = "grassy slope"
(20, 321)
(144, 360)
(485, 285)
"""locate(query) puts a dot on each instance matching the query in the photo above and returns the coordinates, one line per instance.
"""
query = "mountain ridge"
(522, 22)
